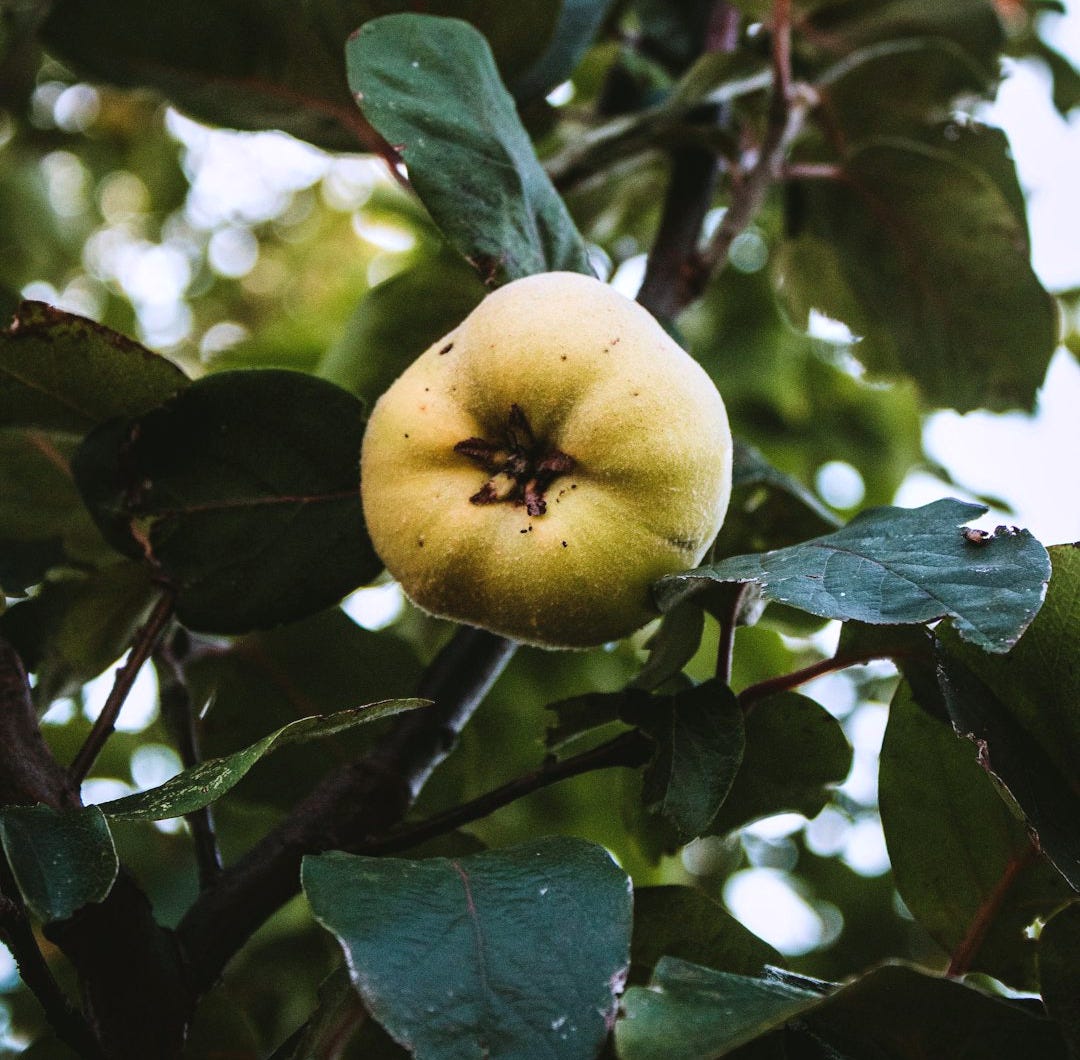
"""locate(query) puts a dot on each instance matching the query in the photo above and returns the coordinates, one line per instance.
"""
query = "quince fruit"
(538, 468)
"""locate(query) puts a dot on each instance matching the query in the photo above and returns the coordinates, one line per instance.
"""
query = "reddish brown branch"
(753, 694)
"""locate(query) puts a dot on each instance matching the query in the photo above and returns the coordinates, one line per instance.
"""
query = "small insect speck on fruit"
(446, 349)
(406, 435)
(563, 357)
(564, 544)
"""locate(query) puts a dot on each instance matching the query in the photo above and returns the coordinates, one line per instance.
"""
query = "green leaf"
(899, 566)
(261, 65)
(701, 744)
(694, 1013)
(850, 24)
(206, 782)
(339, 1016)
(319, 665)
(861, 92)
(963, 863)
(688, 1012)
(686, 923)
(76, 626)
(43, 521)
(397, 320)
(431, 89)
(674, 643)
(898, 1011)
(1059, 944)
(243, 492)
(62, 372)
(1020, 709)
(515, 953)
(579, 22)
(921, 255)
(61, 861)
(796, 753)
(768, 507)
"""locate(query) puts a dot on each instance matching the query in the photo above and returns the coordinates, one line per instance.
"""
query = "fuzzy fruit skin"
(598, 379)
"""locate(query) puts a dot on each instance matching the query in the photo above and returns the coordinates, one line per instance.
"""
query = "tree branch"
(753, 694)
(670, 274)
(126, 962)
(351, 807)
(70, 1024)
(28, 772)
(788, 108)
(629, 749)
(105, 723)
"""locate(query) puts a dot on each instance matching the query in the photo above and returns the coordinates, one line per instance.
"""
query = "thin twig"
(69, 1024)
(753, 694)
(179, 716)
(788, 108)
(629, 749)
(103, 727)
(725, 647)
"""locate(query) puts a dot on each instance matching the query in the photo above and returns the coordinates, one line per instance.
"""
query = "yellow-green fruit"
(536, 470)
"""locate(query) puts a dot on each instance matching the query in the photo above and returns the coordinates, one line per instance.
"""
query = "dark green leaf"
(260, 65)
(861, 91)
(796, 753)
(320, 665)
(689, 1012)
(338, 1017)
(432, 90)
(768, 507)
(60, 860)
(701, 743)
(1059, 947)
(582, 714)
(850, 24)
(688, 924)
(1021, 711)
(899, 565)
(43, 521)
(693, 1013)
(922, 256)
(63, 372)
(964, 864)
(243, 491)
(206, 782)
(516, 953)
(74, 627)
(579, 22)
(397, 320)
(672, 646)
(897, 1011)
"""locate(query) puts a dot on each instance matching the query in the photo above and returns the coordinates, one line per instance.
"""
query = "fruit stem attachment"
(521, 468)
